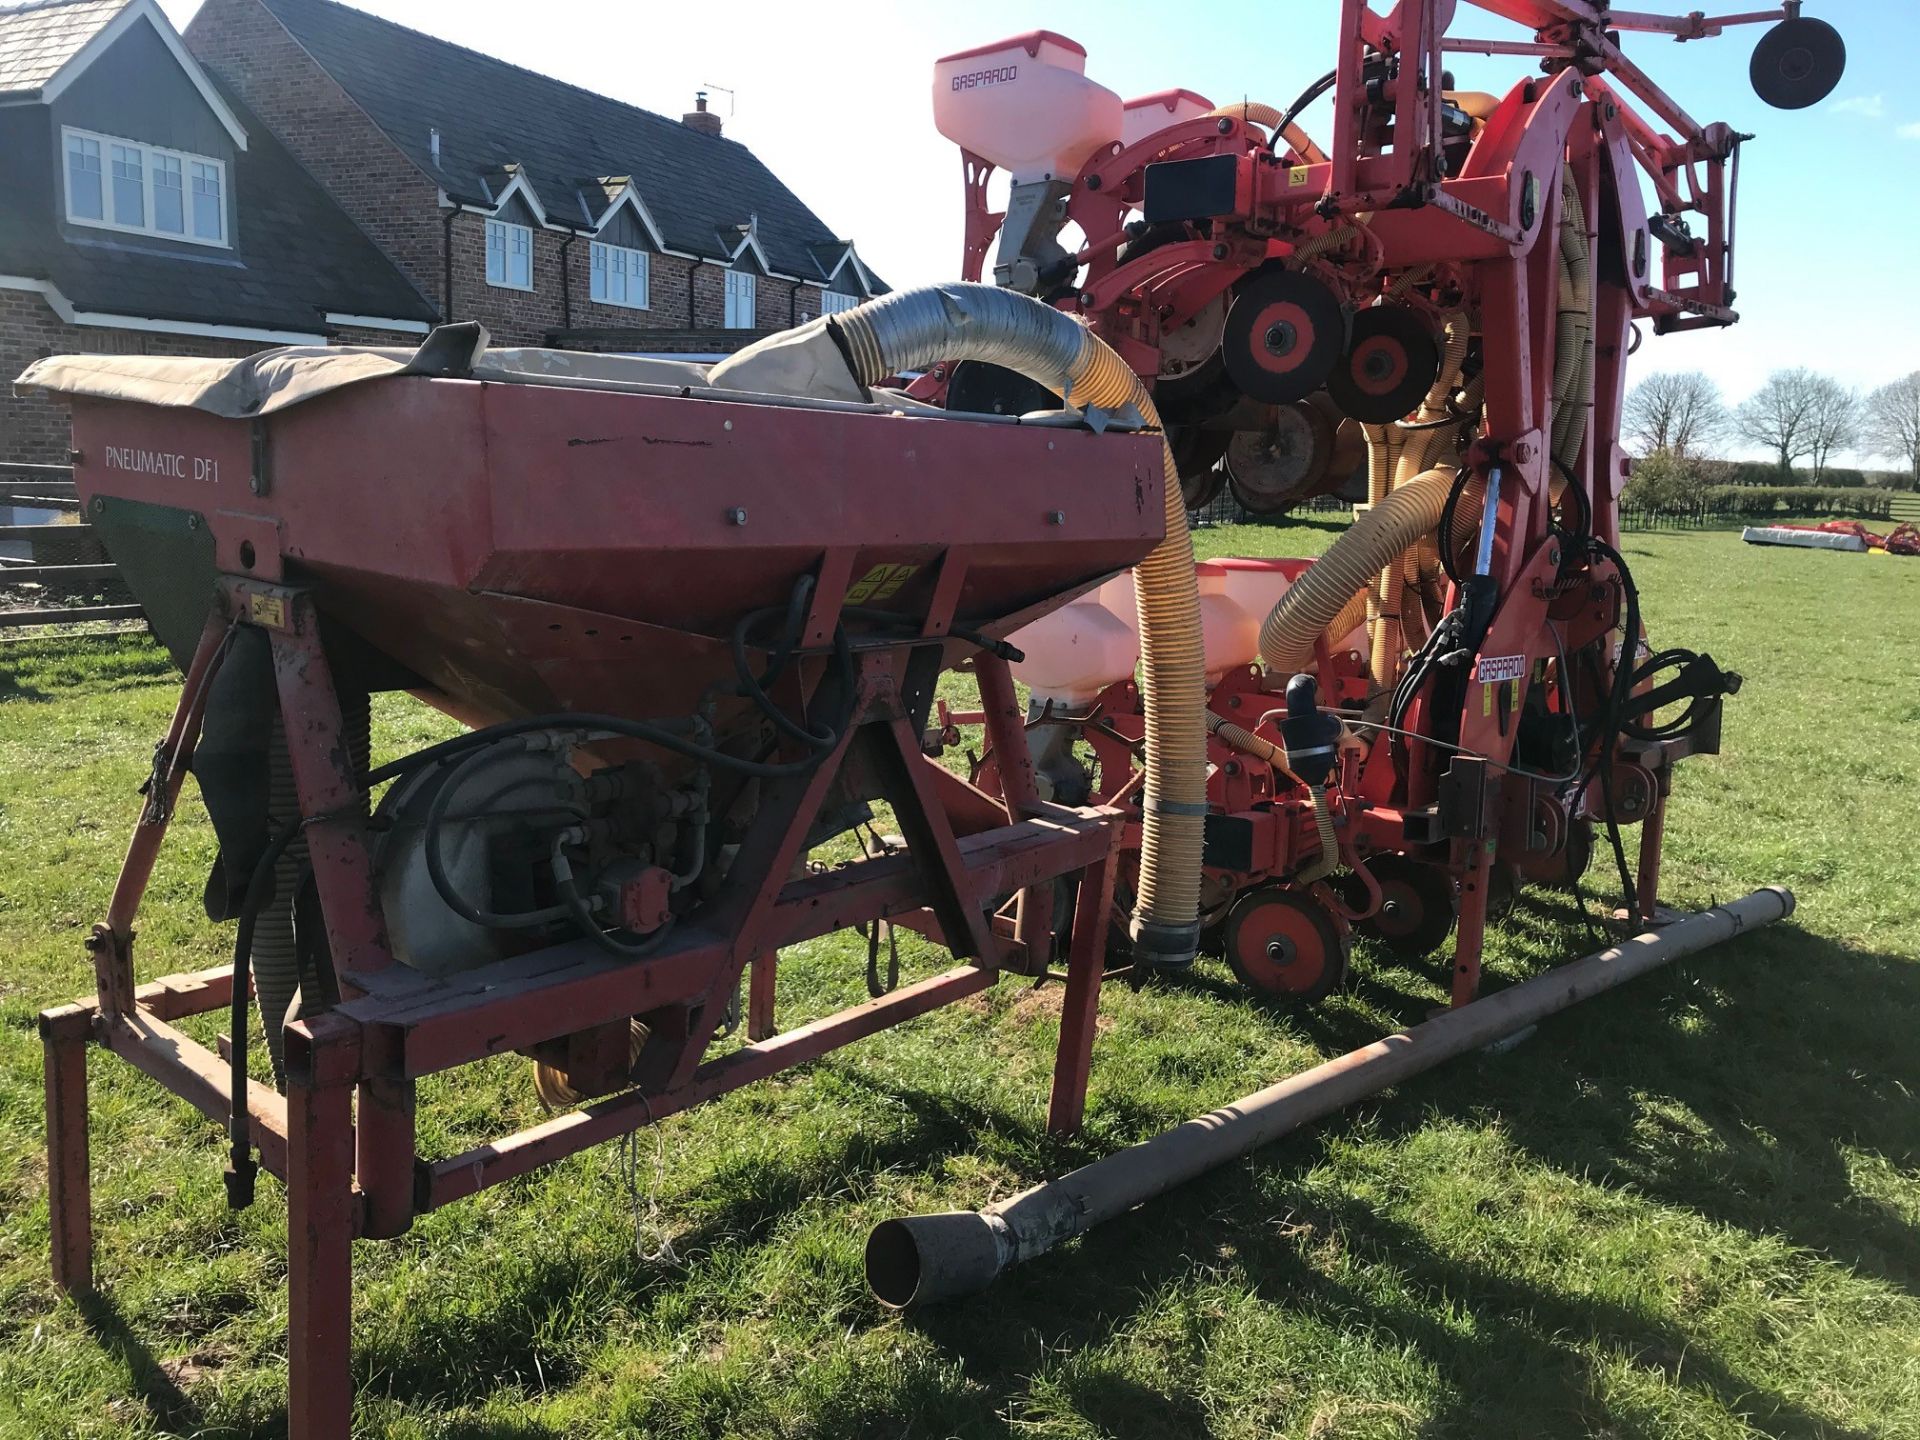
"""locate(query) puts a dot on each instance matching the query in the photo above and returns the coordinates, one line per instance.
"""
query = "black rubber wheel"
(1388, 368)
(1797, 63)
(1417, 906)
(1285, 944)
(1285, 331)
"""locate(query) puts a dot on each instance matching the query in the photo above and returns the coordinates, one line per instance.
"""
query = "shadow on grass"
(1737, 1087)
(38, 670)
(1763, 1052)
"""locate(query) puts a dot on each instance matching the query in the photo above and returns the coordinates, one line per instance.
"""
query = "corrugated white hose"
(911, 329)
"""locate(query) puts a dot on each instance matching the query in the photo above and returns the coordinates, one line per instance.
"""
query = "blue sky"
(836, 100)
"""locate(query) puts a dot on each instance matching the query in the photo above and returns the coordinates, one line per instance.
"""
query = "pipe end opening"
(922, 1258)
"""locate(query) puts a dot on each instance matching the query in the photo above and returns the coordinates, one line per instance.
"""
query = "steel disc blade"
(1278, 467)
(1797, 63)
(1284, 332)
(1388, 368)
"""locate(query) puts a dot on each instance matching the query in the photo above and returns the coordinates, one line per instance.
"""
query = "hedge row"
(1761, 472)
(1759, 500)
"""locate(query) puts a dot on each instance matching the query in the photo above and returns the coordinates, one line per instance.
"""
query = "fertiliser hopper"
(695, 621)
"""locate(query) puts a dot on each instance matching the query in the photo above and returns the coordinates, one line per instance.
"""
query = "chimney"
(700, 118)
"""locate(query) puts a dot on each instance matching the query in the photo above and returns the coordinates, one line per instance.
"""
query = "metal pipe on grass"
(923, 1258)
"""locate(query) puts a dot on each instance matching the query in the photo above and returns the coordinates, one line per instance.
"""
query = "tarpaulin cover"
(273, 380)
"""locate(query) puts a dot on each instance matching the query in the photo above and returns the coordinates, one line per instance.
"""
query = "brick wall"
(522, 317)
(34, 427)
(385, 192)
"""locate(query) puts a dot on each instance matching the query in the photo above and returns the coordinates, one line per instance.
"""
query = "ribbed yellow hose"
(1353, 562)
(911, 329)
(1574, 339)
(1351, 614)
(1252, 112)
(1247, 743)
(1329, 842)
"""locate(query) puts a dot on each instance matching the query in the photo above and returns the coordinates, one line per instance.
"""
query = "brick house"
(299, 172)
(144, 209)
(550, 214)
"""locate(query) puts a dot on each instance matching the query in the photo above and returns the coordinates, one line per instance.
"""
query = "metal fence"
(53, 570)
(1701, 514)
(1224, 509)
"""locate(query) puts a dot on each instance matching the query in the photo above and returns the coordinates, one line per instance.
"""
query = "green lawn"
(1691, 1208)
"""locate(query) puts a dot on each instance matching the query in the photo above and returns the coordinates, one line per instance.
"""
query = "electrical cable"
(1307, 96)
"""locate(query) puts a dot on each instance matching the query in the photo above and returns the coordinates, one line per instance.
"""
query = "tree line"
(1798, 414)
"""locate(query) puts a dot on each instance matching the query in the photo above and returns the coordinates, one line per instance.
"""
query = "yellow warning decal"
(268, 610)
(1297, 174)
(882, 582)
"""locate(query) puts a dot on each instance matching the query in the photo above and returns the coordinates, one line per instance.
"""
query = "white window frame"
(507, 231)
(743, 294)
(832, 302)
(185, 159)
(637, 268)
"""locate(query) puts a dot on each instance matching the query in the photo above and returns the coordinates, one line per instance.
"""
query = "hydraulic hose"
(1352, 563)
(911, 329)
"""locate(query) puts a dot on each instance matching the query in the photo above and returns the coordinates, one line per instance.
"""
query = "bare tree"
(1833, 421)
(1890, 424)
(1779, 415)
(1676, 411)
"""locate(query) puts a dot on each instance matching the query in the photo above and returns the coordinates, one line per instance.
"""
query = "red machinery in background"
(1454, 277)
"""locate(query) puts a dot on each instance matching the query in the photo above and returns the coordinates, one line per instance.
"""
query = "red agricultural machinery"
(694, 618)
(1451, 286)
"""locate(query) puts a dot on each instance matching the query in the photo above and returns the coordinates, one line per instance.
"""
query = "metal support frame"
(342, 1137)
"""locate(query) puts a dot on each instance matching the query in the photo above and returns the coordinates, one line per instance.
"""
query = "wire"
(1361, 723)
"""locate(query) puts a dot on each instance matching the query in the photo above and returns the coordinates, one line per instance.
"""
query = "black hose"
(436, 861)
(241, 1166)
(1307, 96)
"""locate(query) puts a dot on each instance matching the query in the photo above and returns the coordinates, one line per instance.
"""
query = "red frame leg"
(1080, 1009)
(320, 1229)
(1470, 935)
(64, 1038)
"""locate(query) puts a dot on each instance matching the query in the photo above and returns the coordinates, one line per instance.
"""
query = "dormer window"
(620, 276)
(832, 301)
(120, 184)
(509, 255)
(740, 299)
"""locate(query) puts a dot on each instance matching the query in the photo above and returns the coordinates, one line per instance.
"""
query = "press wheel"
(1285, 944)
(1417, 906)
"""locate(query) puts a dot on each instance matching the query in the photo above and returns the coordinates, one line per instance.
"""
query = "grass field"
(1691, 1208)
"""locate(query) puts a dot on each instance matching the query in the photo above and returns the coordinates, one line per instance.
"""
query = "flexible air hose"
(1247, 743)
(1254, 113)
(1353, 562)
(275, 956)
(912, 329)
(1329, 842)
(1576, 316)
(1351, 614)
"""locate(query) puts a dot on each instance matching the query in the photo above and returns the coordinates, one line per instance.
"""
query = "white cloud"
(1871, 106)
(1910, 132)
